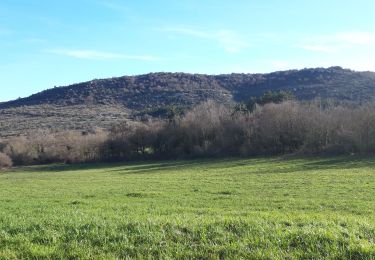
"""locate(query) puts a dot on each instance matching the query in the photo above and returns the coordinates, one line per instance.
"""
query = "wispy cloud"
(355, 37)
(337, 42)
(187, 31)
(33, 40)
(113, 6)
(279, 64)
(229, 40)
(5, 31)
(100, 55)
(320, 48)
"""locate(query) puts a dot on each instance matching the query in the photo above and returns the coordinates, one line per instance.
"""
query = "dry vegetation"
(20, 120)
(5, 161)
(210, 130)
(98, 103)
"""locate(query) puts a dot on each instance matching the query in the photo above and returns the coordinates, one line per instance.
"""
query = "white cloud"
(113, 6)
(280, 65)
(337, 42)
(355, 37)
(99, 55)
(359, 62)
(4, 31)
(230, 41)
(187, 31)
(227, 39)
(34, 40)
(319, 48)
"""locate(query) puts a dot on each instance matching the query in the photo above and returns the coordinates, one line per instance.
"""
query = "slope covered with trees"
(154, 94)
(161, 89)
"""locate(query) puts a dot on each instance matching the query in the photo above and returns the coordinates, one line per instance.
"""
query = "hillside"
(161, 89)
(100, 102)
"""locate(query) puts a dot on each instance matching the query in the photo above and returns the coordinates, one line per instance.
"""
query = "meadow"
(262, 208)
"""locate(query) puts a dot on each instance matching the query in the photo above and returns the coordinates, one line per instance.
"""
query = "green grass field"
(209, 209)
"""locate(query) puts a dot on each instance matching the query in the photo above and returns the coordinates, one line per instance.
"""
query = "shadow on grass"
(67, 167)
(126, 167)
(263, 165)
(306, 164)
(173, 165)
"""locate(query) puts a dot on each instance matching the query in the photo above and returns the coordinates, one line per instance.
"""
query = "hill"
(162, 89)
(100, 102)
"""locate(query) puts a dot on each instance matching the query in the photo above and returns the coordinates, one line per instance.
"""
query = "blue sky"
(47, 43)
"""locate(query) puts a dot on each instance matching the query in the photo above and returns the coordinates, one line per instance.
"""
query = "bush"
(43, 147)
(5, 161)
(211, 130)
(21, 151)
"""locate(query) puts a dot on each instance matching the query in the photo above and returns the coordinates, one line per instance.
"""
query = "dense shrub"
(269, 97)
(128, 141)
(44, 147)
(211, 130)
(5, 161)
(21, 151)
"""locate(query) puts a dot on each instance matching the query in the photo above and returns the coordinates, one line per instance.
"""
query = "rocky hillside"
(130, 95)
(161, 89)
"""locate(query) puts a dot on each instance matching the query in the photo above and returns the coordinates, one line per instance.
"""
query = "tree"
(269, 97)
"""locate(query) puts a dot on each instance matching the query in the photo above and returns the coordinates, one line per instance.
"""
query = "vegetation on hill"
(24, 120)
(163, 89)
(210, 130)
(201, 209)
(268, 97)
(99, 103)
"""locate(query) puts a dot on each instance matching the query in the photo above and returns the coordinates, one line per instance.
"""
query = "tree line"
(273, 127)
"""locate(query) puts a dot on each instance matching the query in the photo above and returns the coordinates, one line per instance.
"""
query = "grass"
(209, 209)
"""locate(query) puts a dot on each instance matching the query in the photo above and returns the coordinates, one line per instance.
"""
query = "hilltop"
(162, 89)
(100, 102)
